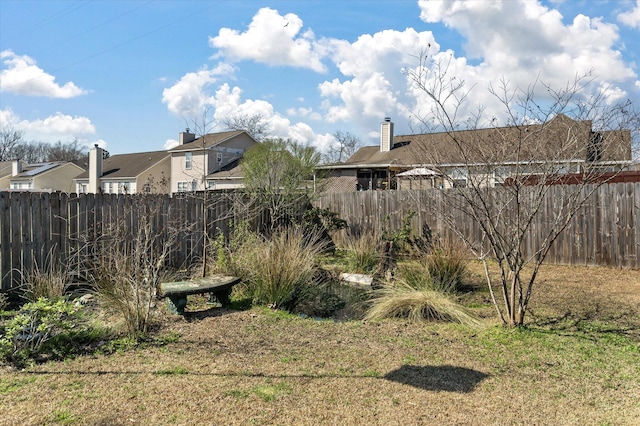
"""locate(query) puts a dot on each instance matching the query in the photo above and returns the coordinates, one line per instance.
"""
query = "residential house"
(208, 162)
(16, 175)
(486, 155)
(140, 172)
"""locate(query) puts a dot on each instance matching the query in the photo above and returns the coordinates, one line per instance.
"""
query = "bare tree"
(10, 138)
(500, 175)
(70, 151)
(32, 152)
(346, 144)
(254, 124)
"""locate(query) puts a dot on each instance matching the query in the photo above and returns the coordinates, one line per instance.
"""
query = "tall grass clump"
(362, 252)
(51, 281)
(447, 264)
(277, 269)
(403, 301)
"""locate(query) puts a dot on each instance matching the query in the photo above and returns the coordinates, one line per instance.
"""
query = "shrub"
(403, 301)
(235, 256)
(130, 266)
(276, 270)
(36, 325)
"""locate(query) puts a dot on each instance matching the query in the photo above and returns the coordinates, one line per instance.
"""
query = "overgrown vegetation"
(51, 281)
(276, 270)
(131, 263)
(38, 328)
(362, 252)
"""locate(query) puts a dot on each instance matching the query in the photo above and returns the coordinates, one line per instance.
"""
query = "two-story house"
(489, 156)
(208, 162)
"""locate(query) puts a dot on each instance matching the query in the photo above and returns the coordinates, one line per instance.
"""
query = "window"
(183, 186)
(123, 188)
(187, 161)
(20, 185)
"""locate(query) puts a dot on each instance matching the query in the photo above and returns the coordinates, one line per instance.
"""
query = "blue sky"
(131, 75)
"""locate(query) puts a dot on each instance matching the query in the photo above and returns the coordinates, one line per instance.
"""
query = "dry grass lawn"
(578, 363)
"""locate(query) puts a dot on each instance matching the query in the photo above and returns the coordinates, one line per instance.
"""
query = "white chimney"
(16, 167)
(95, 168)
(186, 137)
(386, 135)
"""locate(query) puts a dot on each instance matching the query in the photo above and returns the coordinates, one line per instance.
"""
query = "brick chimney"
(186, 137)
(95, 168)
(386, 135)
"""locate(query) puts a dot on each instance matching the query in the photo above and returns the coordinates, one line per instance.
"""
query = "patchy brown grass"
(577, 363)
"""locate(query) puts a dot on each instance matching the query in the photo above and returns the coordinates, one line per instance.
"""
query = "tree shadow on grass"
(438, 378)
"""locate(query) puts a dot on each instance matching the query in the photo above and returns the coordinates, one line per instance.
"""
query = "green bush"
(35, 329)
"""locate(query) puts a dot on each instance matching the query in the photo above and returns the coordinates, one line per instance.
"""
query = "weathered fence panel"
(604, 231)
(36, 228)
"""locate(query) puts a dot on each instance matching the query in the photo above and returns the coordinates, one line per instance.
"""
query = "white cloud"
(188, 98)
(522, 41)
(377, 87)
(632, 17)
(272, 39)
(170, 143)
(304, 112)
(228, 102)
(58, 127)
(23, 77)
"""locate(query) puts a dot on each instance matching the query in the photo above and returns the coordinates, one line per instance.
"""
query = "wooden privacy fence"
(38, 228)
(604, 231)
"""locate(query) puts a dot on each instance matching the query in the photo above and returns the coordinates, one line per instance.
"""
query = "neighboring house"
(140, 172)
(208, 162)
(6, 170)
(49, 176)
(400, 162)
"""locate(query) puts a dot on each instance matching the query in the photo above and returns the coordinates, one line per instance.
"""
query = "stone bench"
(176, 292)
